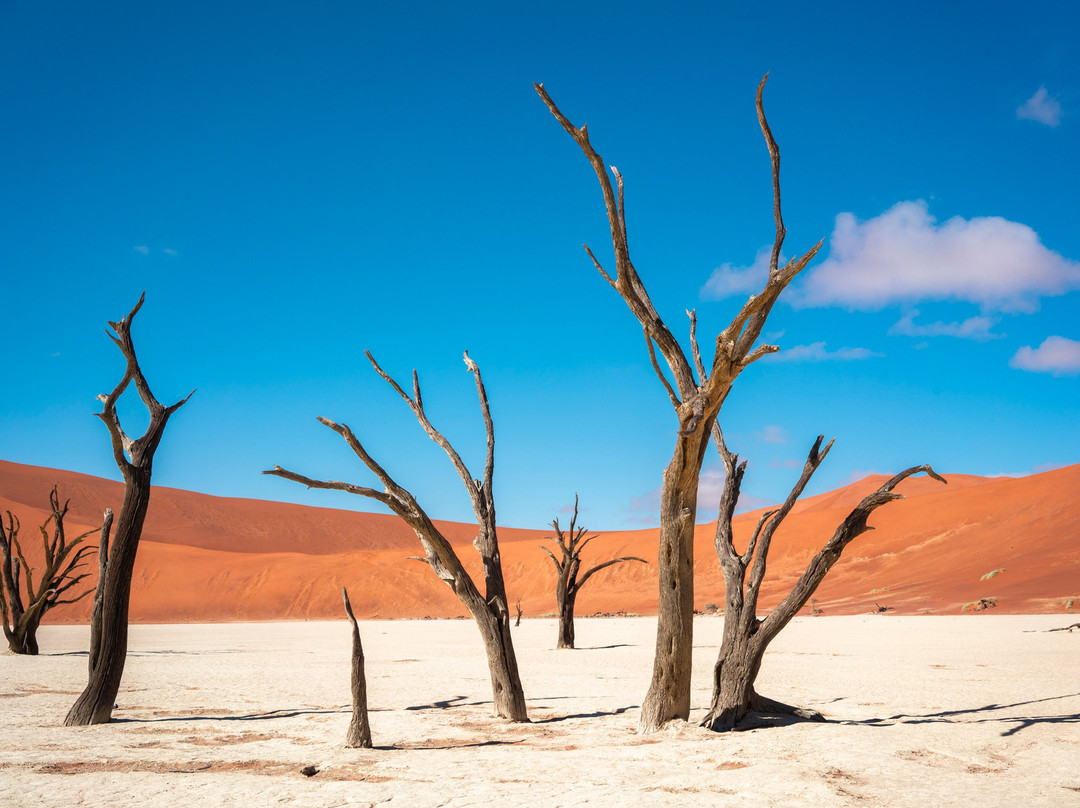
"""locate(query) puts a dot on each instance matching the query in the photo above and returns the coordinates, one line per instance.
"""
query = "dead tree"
(568, 566)
(489, 610)
(746, 636)
(61, 558)
(696, 401)
(359, 735)
(109, 627)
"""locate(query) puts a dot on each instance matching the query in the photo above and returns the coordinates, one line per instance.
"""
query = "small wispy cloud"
(143, 249)
(1058, 356)
(645, 509)
(974, 328)
(170, 251)
(772, 433)
(904, 256)
(786, 463)
(856, 475)
(1041, 107)
(816, 352)
(729, 279)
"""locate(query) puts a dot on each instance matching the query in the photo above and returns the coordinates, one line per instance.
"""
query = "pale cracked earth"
(977, 710)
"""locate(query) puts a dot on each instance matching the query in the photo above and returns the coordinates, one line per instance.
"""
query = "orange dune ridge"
(205, 559)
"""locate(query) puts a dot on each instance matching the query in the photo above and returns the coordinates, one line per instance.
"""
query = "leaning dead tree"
(61, 559)
(359, 735)
(568, 566)
(696, 393)
(746, 636)
(116, 559)
(489, 610)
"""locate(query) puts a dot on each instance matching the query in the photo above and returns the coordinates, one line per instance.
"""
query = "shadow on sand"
(982, 715)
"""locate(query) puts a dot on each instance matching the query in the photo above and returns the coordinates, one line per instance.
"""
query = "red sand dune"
(204, 558)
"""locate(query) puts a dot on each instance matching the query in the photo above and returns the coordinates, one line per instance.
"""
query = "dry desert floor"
(979, 710)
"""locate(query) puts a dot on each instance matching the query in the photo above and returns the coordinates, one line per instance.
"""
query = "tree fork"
(746, 637)
(134, 458)
(696, 402)
(489, 610)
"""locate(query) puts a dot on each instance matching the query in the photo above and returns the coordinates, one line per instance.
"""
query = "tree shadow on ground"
(958, 716)
(446, 704)
(598, 714)
(271, 714)
(437, 745)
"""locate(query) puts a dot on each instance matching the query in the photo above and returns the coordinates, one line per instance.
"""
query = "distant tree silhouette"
(116, 559)
(568, 567)
(62, 559)
(490, 609)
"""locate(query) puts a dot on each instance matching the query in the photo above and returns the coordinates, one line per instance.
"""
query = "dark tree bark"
(696, 402)
(134, 458)
(567, 567)
(746, 636)
(359, 729)
(61, 558)
(489, 610)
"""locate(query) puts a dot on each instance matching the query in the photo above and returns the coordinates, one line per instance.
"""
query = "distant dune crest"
(207, 558)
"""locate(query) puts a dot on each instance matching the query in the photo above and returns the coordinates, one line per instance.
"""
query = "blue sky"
(295, 183)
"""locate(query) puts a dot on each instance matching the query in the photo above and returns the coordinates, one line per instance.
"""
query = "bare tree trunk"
(359, 729)
(669, 689)
(108, 651)
(566, 623)
(490, 610)
(99, 592)
(746, 637)
(696, 402)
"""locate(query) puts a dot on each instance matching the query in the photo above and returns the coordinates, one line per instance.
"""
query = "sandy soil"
(924, 711)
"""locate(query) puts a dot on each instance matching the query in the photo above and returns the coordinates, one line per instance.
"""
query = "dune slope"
(206, 558)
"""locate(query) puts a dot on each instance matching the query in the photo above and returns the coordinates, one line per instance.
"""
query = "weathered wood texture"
(746, 636)
(568, 568)
(489, 610)
(134, 458)
(696, 402)
(359, 735)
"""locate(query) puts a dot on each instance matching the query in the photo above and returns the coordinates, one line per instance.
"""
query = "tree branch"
(598, 567)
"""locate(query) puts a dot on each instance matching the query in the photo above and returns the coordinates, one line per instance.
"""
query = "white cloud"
(142, 248)
(904, 255)
(1057, 355)
(170, 251)
(1040, 107)
(729, 279)
(816, 352)
(710, 489)
(771, 433)
(976, 328)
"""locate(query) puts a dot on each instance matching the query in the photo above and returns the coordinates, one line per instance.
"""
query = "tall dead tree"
(568, 566)
(359, 735)
(61, 558)
(489, 610)
(696, 400)
(134, 458)
(746, 636)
